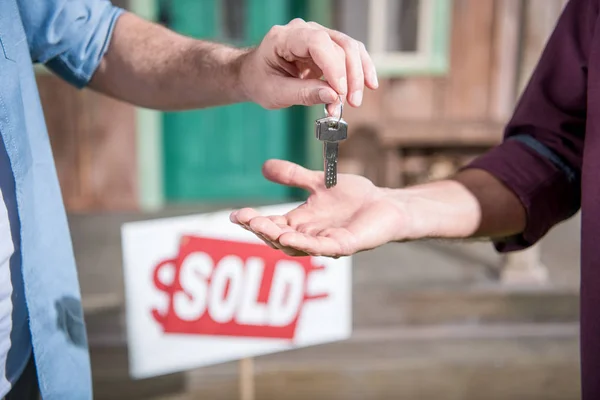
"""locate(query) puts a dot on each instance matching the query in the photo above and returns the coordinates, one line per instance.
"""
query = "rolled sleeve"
(69, 36)
(541, 157)
(546, 192)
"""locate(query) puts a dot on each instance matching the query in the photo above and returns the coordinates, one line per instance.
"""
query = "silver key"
(331, 131)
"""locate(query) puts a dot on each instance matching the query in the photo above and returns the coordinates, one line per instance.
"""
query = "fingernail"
(327, 96)
(357, 97)
(375, 80)
(343, 85)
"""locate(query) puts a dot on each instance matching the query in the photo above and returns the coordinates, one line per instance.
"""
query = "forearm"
(472, 204)
(151, 66)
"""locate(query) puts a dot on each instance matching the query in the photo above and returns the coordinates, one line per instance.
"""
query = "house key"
(331, 131)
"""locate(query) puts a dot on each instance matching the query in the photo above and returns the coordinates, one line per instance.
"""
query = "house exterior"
(450, 71)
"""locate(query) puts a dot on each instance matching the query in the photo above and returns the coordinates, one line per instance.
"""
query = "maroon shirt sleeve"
(541, 156)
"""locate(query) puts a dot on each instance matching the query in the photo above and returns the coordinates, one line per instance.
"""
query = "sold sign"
(224, 288)
(202, 291)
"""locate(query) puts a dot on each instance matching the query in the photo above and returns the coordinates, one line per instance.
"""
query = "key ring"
(341, 110)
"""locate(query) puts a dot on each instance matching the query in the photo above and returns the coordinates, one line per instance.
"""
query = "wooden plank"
(411, 98)
(393, 174)
(415, 134)
(61, 107)
(507, 22)
(467, 86)
(109, 167)
(94, 145)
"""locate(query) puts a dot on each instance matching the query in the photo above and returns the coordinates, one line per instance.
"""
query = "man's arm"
(472, 204)
(148, 65)
(151, 66)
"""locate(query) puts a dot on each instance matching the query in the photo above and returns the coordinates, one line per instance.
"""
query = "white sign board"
(201, 290)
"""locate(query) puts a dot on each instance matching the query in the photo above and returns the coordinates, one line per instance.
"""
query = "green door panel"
(216, 154)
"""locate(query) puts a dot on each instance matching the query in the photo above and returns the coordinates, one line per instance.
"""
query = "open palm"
(353, 216)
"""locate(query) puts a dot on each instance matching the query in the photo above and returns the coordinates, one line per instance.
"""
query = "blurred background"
(432, 320)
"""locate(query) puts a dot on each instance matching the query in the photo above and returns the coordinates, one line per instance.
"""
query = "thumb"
(290, 174)
(307, 92)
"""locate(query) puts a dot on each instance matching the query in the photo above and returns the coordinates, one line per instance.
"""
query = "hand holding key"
(287, 67)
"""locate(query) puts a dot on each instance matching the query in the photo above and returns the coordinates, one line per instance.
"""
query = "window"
(403, 36)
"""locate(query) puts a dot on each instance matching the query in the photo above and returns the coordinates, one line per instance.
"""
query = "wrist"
(224, 65)
(443, 209)
(237, 65)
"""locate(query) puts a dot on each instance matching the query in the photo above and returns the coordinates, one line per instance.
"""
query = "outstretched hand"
(353, 216)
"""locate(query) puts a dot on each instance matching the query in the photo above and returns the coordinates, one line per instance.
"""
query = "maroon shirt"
(550, 158)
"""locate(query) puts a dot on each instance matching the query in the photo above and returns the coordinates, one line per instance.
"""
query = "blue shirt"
(70, 37)
(15, 338)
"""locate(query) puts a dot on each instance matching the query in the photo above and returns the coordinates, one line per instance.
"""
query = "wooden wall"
(94, 143)
(416, 123)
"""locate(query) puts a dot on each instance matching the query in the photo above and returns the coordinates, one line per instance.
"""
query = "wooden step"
(379, 304)
(499, 363)
(525, 361)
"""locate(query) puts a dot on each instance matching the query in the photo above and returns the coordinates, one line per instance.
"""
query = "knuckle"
(256, 224)
(297, 21)
(350, 44)
(304, 96)
(320, 35)
(275, 31)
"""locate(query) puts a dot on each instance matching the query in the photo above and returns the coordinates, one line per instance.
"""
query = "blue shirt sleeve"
(69, 36)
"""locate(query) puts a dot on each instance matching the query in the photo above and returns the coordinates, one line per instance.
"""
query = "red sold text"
(226, 288)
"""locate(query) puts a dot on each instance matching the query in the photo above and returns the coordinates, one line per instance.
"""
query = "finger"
(266, 241)
(314, 73)
(278, 219)
(368, 68)
(293, 91)
(334, 109)
(243, 216)
(299, 217)
(290, 174)
(309, 70)
(317, 45)
(367, 64)
(266, 228)
(233, 218)
(313, 245)
(309, 228)
(354, 68)
(362, 70)
(293, 252)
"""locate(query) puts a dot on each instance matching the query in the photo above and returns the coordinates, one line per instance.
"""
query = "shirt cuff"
(78, 64)
(546, 192)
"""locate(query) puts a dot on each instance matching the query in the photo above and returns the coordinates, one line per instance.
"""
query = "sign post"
(202, 291)
(246, 379)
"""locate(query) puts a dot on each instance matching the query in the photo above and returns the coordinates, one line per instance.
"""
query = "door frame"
(149, 129)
